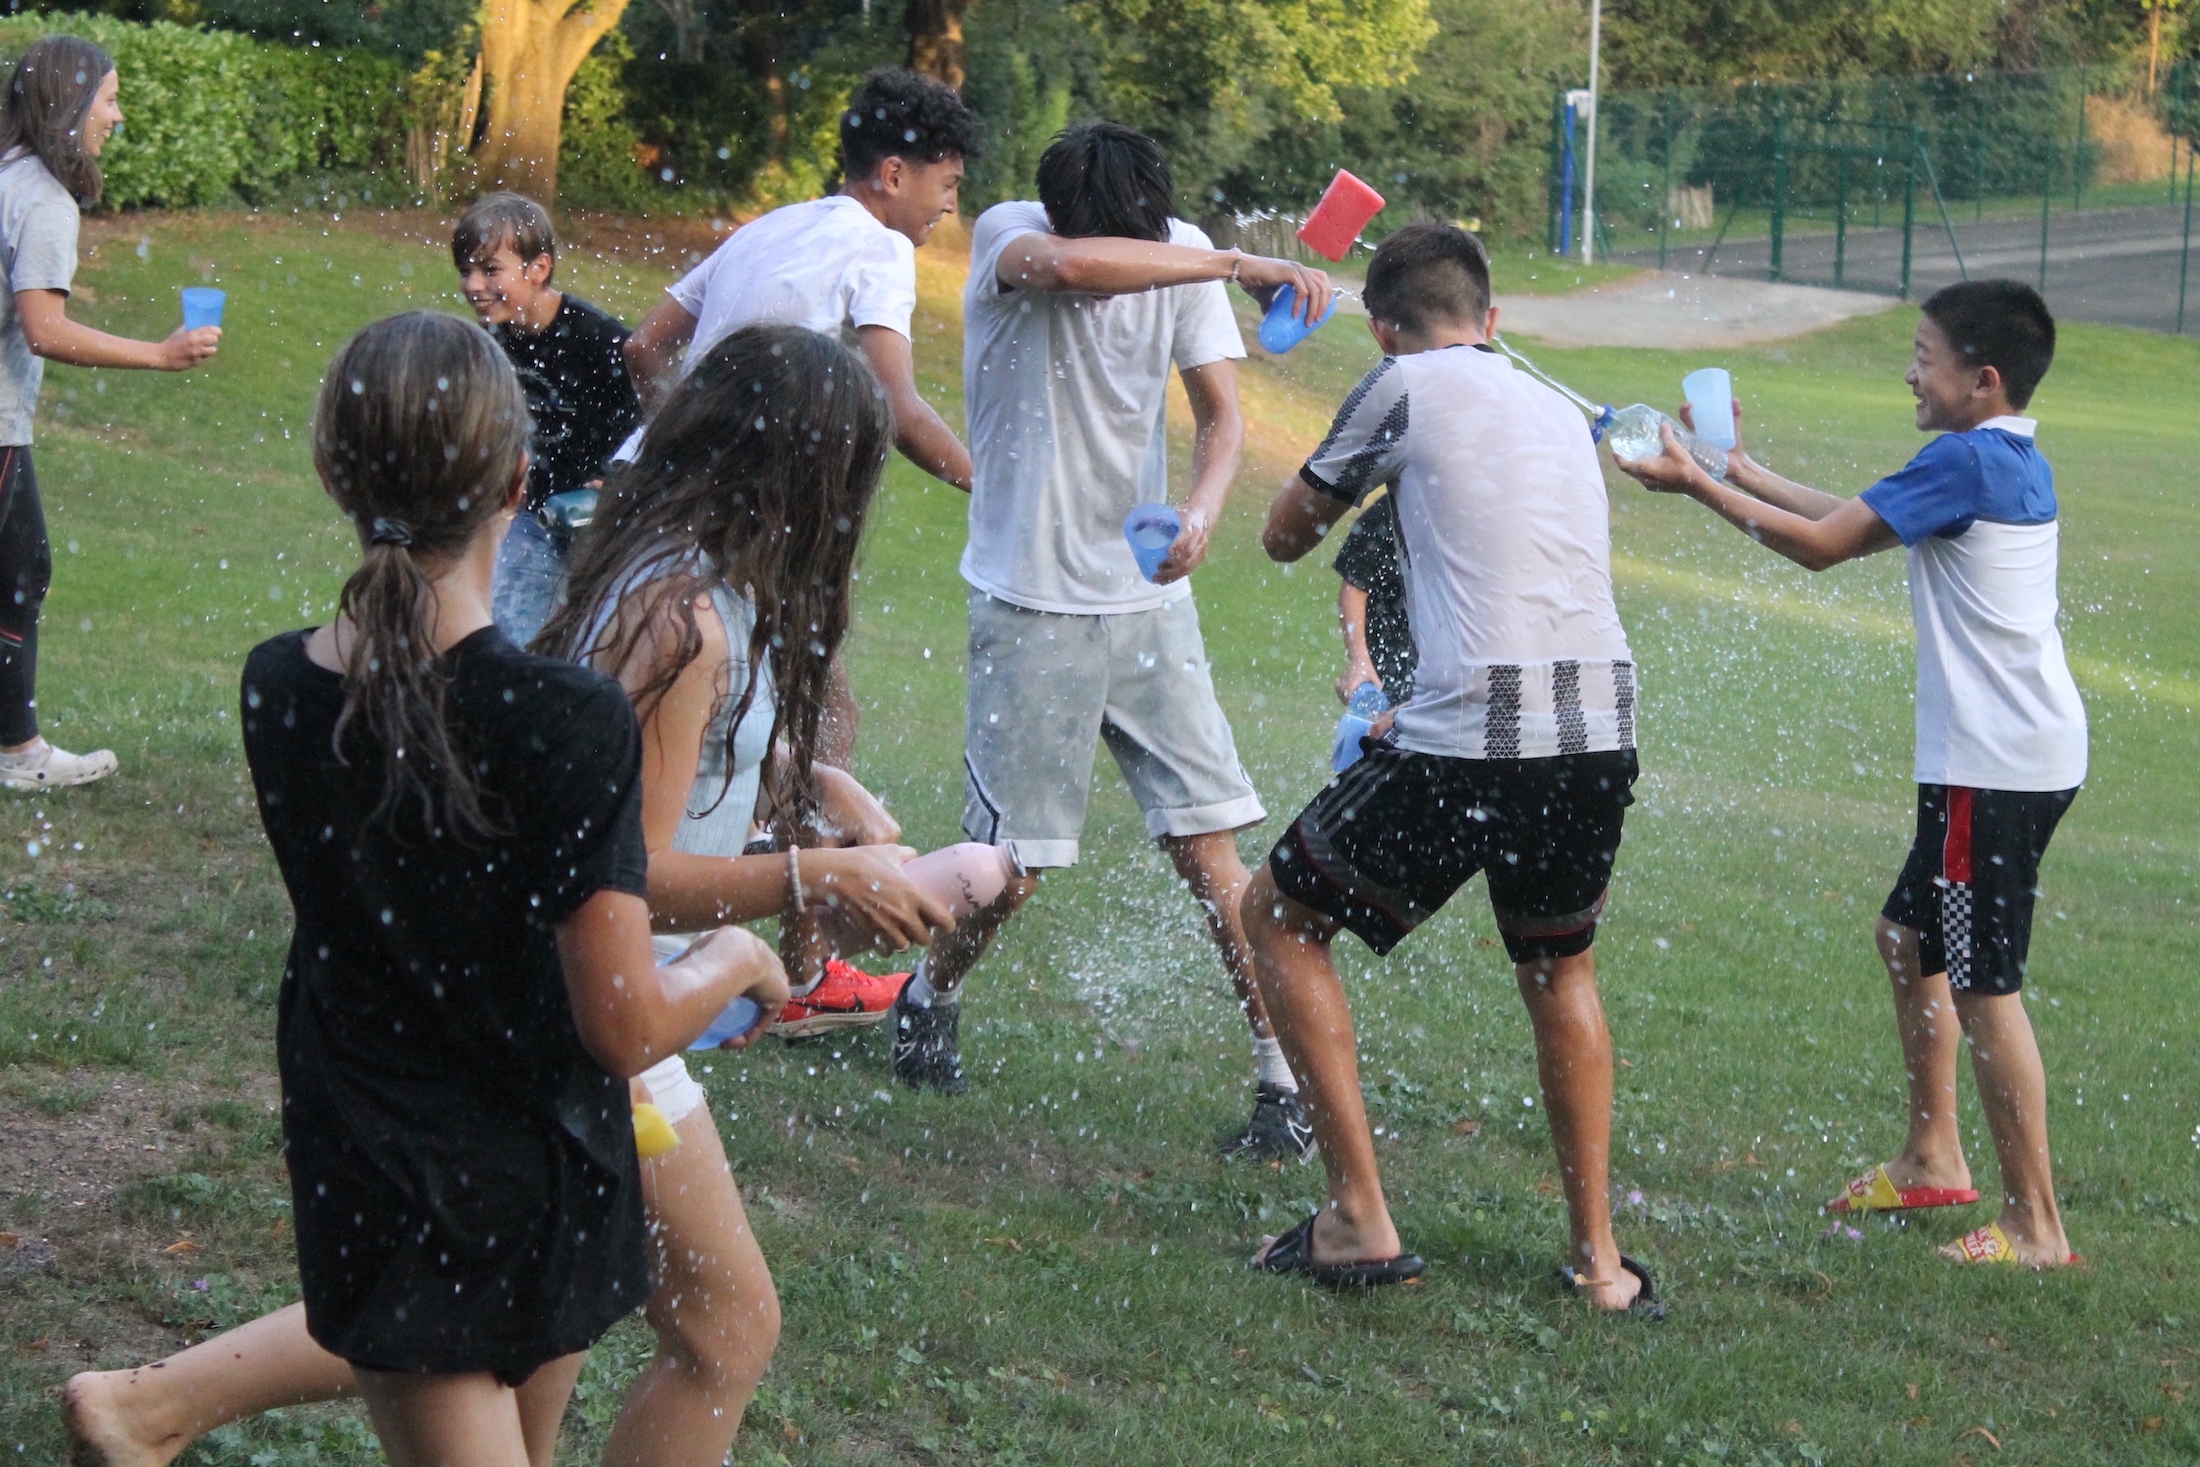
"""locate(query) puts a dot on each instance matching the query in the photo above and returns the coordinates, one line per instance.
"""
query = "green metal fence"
(1862, 183)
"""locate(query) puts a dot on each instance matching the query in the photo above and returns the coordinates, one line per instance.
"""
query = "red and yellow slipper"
(1875, 1191)
(1991, 1245)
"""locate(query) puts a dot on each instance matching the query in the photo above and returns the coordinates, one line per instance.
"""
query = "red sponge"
(1337, 220)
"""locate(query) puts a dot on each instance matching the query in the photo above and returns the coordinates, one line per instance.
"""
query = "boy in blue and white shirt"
(2001, 740)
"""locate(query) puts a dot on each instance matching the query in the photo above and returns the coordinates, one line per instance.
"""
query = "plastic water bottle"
(1632, 433)
(1368, 704)
(733, 1021)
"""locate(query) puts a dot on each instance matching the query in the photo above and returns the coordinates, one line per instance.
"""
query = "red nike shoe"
(845, 998)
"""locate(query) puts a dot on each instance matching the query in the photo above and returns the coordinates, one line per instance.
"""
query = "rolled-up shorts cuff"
(1039, 855)
(1206, 819)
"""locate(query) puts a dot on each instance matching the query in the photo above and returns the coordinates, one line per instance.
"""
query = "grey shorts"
(1045, 688)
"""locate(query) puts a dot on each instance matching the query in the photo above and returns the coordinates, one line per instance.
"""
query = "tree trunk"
(529, 52)
(688, 29)
(936, 39)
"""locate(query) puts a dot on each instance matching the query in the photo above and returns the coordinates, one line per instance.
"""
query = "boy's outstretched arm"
(1359, 664)
(653, 351)
(1298, 517)
(920, 433)
(1745, 473)
(1849, 530)
(1112, 266)
(1218, 444)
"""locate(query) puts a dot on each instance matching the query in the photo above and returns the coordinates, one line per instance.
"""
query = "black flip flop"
(1645, 1305)
(1294, 1253)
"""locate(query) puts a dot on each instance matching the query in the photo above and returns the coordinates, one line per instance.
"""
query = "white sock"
(1270, 1067)
(920, 994)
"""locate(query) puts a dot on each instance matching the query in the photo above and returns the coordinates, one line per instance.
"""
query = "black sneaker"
(1278, 1128)
(927, 1053)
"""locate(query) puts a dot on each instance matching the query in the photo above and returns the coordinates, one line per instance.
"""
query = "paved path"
(1682, 312)
(2117, 266)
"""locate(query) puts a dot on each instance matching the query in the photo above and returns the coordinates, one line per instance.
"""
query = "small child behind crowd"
(1371, 606)
(571, 360)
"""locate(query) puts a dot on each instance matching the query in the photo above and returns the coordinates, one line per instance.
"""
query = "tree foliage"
(1465, 137)
(214, 116)
(403, 29)
(1657, 43)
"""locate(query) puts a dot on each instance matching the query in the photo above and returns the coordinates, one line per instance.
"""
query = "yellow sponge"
(653, 1134)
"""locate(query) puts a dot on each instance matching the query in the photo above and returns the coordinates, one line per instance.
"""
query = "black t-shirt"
(1369, 560)
(463, 1178)
(574, 374)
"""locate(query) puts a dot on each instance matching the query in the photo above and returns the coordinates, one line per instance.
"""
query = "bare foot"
(95, 1412)
(1605, 1283)
(1338, 1241)
(1953, 1174)
(1983, 1246)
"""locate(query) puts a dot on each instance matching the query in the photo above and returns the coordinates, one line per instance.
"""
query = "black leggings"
(26, 570)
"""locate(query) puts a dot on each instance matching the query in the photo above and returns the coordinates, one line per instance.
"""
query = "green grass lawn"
(1050, 1269)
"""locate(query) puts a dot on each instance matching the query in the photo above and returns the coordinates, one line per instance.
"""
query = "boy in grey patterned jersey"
(1513, 756)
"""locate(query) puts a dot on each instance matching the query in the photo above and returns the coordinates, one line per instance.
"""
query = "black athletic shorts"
(1968, 886)
(1389, 841)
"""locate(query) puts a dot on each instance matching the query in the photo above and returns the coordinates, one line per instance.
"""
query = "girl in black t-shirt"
(470, 979)
(779, 512)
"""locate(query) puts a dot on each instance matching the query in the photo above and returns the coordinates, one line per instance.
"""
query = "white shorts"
(1046, 688)
(671, 1088)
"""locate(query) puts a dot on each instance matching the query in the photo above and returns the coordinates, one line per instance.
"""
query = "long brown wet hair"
(49, 96)
(757, 472)
(418, 435)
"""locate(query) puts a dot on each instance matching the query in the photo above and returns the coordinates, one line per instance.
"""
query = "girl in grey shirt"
(59, 112)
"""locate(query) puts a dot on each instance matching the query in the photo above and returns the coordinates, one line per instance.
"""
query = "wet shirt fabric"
(1369, 561)
(464, 1184)
(729, 773)
(38, 221)
(583, 403)
(1068, 402)
(1997, 708)
(1506, 537)
(827, 264)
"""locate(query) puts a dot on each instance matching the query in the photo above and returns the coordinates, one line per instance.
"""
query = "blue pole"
(1566, 187)
(2184, 257)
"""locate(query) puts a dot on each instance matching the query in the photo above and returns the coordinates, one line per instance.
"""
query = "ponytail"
(419, 435)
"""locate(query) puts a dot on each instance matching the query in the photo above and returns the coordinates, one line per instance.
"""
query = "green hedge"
(213, 116)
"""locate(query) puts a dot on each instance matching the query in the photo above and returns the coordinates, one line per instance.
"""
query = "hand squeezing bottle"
(1632, 433)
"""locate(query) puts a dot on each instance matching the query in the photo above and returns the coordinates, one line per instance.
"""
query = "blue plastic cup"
(733, 1021)
(1151, 529)
(202, 306)
(1710, 394)
(1368, 704)
(1281, 329)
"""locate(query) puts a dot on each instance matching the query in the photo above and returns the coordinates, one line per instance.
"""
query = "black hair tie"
(389, 532)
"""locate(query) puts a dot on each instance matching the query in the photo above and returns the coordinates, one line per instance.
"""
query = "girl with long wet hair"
(59, 112)
(470, 979)
(758, 473)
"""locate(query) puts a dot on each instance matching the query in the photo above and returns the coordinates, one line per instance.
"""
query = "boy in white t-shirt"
(842, 264)
(1077, 308)
(2001, 740)
(1514, 756)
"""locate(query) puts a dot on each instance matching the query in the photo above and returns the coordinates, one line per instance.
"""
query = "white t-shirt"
(1506, 540)
(827, 264)
(1996, 706)
(38, 222)
(1067, 397)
